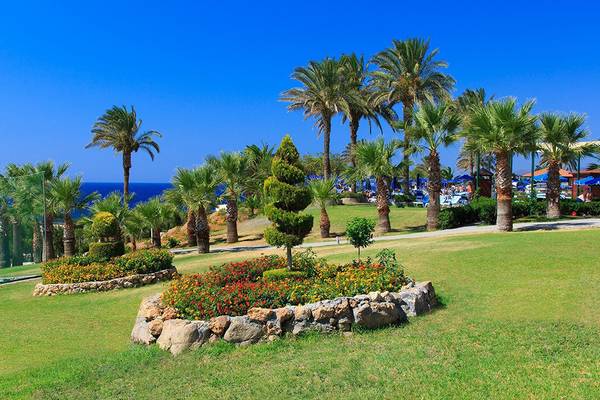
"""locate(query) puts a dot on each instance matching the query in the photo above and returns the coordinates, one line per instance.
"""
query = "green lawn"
(32, 269)
(520, 320)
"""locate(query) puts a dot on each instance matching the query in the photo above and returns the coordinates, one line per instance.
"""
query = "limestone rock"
(243, 331)
(141, 332)
(376, 315)
(260, 314)
(218, 325)
(284, 314)
(179, 335)
(169, 313)
(155, 327)
(302, 313)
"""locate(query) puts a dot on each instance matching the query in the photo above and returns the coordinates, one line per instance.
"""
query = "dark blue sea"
(141, 191)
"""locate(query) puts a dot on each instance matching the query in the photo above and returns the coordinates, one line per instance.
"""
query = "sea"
(142, 191)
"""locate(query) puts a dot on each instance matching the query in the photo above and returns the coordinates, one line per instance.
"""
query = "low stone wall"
(101, 286)
(160, 324)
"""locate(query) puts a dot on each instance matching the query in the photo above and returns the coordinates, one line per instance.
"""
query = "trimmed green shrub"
(105, 225)
(401, 199)
(172, 242)
(359, 196)
(287, 195)
(273, 275)
(106, 250)
(145, 261)
(484, 209)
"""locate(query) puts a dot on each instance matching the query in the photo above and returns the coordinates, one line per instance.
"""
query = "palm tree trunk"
(325, 223)
(156, 237)
(504, 192)
(48, 250)
(36, 243)
(326, 142)
(126, 169)
(407, 111)
(290, 259)
(4, 246)
(191, 228)
(17, 250)
(133, 243)
(202, 231)
(383, 208)
(434, 185)
(69, 236)
(231, 218)
(354, 124)
(553, 191)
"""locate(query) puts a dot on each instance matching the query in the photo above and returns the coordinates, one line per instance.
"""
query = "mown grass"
(519, 320)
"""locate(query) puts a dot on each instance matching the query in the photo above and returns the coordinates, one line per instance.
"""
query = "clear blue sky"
(208, 74)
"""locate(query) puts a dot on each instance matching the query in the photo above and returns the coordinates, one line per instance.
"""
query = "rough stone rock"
(344, 324)
(169, 313)
(300, 327)
(155, 327)
(243, 331)
(375, 296)
(274, 328)
(302, 313)
(284, 314)
(343, 308)
(150, 307)
(218, 325)
(260, 314)
(323, 311)
(376, 315)
(141, 332)
(418, 299)
(179, 335)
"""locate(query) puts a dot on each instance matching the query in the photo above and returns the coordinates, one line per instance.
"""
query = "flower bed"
(234, 288)
(79, 269)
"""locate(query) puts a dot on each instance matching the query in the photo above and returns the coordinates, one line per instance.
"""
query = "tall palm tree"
(502, 128)
(407, 73)
(323, 94)
(363, 103)
(232, 172)
(447, 173)
(206, 182)
(435, 127)
(156, 215)
(323, 192)
(469, 155)
(183, 194)
(376, 159)
(50, 173)
(561, 145)
(119, 128)
(66, 192)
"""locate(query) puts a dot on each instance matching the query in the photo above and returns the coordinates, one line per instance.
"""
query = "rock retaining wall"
(101, 286)
(160, 324)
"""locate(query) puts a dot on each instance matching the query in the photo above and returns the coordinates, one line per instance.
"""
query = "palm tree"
(206, 182)
(447, 173)
(183, 194)
(258, 169)
(156, 215)
(363, 102)
(232, 172)
(323, 94)
(119, 129)
(435, 127)
(67, 194)
(502, 128)
(376, 159)
(560, 145)
(407, 73)
(50, 174)
(323, 192)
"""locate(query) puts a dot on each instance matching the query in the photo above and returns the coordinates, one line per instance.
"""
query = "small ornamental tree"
(286, 197)
(360, 232)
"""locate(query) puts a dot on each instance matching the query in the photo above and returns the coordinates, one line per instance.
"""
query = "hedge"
(91, 268)
(484, 210)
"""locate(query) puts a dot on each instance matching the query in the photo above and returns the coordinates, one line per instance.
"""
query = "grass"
(31, 269)
(520, 321)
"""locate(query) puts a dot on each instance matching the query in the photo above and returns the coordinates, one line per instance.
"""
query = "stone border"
(136, 280)
(160, 324)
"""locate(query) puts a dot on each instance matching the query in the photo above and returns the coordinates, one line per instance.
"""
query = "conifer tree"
(287, 196)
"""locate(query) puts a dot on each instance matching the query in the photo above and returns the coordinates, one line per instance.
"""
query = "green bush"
(106, 250)
(359, 196)
(145, 261)
(273, 275)
(105, 225)
(360, 232)
(172, 242)
(401, 199)
(484, 209)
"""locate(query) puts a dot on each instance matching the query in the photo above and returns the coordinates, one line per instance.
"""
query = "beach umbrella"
(544, 178)
(584, 181)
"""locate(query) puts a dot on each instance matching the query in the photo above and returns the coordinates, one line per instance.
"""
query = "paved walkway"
(476, 229)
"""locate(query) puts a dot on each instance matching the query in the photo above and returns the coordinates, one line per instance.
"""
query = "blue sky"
(209, 75)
